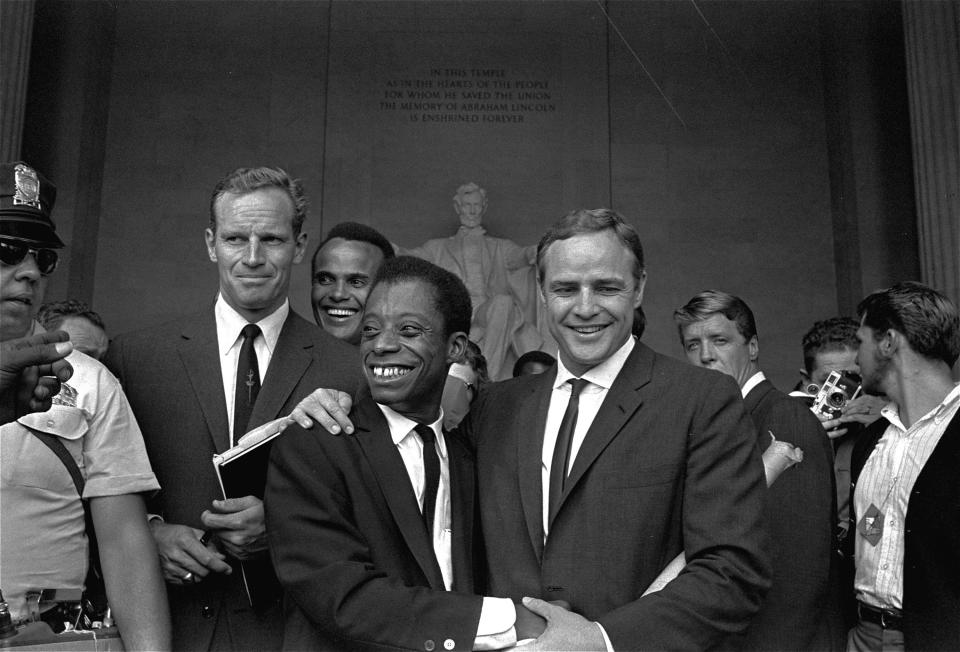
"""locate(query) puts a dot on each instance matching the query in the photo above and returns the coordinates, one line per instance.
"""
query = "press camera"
(837, 390)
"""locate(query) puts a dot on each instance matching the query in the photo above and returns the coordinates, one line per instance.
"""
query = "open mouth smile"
(588, 330)
(389, 372)
(341, 313)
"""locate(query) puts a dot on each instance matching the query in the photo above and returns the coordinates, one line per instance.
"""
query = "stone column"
(16, 33)
(932, 38)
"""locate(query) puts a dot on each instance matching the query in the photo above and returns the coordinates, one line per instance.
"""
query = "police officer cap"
(26, 199)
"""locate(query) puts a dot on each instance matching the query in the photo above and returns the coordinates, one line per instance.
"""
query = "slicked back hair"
(245, 180)
(593, 221)
(925, 317)
(450, 295)
(712, 302)
(356, 232)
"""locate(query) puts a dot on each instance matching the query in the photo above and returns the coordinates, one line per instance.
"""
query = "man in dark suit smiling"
(373, 534)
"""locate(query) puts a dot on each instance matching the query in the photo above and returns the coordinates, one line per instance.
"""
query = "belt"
(886, 618)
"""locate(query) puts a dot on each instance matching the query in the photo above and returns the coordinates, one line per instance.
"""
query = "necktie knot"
(426, 433)
(250, 332)
(577, 385)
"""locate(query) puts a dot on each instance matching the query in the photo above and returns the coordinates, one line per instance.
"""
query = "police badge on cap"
(26, 199)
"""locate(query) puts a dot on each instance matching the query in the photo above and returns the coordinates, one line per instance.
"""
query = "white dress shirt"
(601, 379)
(496, 627)
(229, 341)
(886, 482)
(752, 382)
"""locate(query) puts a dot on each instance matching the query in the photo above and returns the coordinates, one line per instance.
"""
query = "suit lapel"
(755, 396)
(530, 453)
(199, 353)
(373, 435)
(290, 360)
(622, 401)
(462, 500)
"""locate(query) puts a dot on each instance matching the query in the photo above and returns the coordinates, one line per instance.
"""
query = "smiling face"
(255, 249)
(21, 293)
(716, 343)
(590, 296)
(470, 208)
(404, 349)
(341, 283)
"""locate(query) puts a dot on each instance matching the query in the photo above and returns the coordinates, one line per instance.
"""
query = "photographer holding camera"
(88, 441)
(801, 611)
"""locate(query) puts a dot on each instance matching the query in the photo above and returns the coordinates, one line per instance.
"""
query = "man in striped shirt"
(905, 495)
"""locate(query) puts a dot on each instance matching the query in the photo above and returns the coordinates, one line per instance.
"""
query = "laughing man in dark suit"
(373, 534)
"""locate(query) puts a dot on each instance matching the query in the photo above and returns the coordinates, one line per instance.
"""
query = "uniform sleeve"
(114, 456)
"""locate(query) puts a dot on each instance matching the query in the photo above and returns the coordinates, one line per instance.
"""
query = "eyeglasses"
(13, 253)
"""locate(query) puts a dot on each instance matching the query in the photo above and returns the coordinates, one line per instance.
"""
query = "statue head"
(470, 202)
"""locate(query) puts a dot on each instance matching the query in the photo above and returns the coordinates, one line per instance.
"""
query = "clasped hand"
(239, 525)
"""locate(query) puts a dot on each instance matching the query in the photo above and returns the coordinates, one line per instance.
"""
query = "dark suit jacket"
(171, 374)
(802, 609)
(931, 573)
(351, 548)
(670, 464)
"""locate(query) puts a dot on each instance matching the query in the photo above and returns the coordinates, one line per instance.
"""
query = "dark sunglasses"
(13, 253)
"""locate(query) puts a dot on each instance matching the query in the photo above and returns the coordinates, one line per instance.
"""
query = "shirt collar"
(891, 412)
(400, 427)
(752, 382)
(604, 373)
(230, 323)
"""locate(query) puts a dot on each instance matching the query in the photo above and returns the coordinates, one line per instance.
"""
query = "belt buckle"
(883, 619)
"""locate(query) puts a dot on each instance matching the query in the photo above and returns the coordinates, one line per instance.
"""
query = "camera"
(837, 390)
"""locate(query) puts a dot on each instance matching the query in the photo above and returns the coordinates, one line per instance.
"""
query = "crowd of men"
(431, 508)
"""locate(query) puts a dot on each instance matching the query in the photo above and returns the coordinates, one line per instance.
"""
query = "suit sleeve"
(324, 559)
(801, 514)
(727, 571)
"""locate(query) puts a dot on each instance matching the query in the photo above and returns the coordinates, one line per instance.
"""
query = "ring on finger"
(188, 576)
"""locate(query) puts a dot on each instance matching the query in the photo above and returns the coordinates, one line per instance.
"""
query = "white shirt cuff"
(496, 627)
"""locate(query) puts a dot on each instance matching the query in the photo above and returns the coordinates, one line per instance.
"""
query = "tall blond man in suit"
(197, 384)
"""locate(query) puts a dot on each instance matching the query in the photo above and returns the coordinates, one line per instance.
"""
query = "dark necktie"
(561, 451)
(431, 467)
(248, 382)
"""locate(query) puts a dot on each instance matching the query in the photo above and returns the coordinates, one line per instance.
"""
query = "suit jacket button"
(206, 612)
(449, 644)
(428, 645)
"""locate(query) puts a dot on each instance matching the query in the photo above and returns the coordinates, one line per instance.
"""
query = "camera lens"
(837, 399)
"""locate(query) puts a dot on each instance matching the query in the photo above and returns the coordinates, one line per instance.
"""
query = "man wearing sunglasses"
(43, 535)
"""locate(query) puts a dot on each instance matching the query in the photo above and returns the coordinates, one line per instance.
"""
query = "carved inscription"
(468, 95)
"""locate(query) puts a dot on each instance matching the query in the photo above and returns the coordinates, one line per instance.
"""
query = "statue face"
(471, 209)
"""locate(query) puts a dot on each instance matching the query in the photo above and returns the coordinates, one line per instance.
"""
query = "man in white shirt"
(905, 500)
(199, 383)
(802, 610)
(373, 534)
